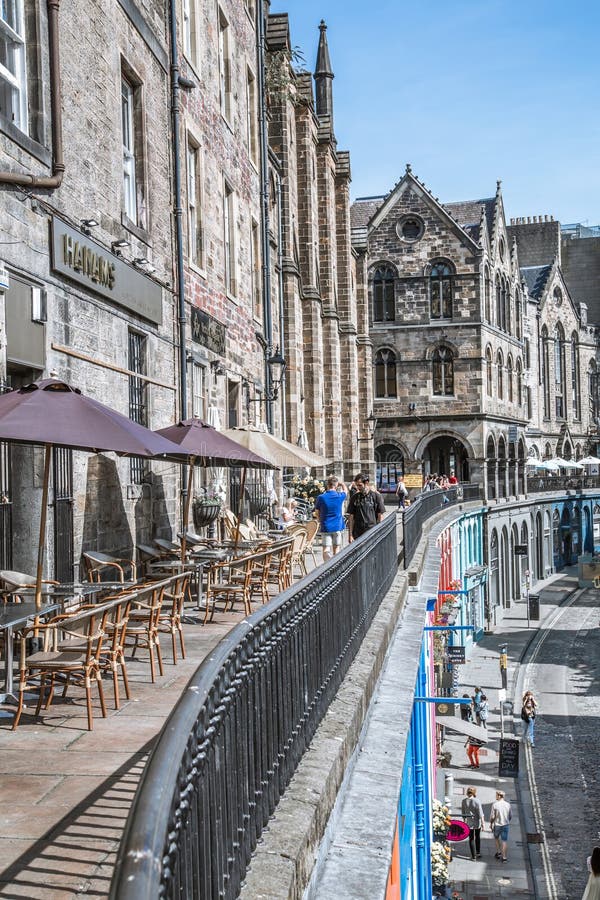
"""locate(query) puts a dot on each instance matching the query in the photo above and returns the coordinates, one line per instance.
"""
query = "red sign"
(457, 831)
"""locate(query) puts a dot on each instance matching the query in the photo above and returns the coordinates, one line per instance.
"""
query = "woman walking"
(528, 712)
(592, 890)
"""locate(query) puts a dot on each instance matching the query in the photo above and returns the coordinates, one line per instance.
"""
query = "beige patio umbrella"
(279, 452)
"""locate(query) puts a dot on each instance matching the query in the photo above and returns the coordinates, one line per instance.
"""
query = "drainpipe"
(177, 208)
(264, 200)
(58, 163)
(178, 213)
(280, 290)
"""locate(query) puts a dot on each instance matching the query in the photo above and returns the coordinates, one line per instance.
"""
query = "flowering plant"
(307, 488)
(440, 857)
(208, 496)
(441, 817)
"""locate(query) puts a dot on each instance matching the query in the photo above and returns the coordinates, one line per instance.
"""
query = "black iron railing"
(424, 506)
(537, 484)
(234, 740)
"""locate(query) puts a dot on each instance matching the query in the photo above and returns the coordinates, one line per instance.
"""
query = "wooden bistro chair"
(143, 624)
(298, 549)
(169, 548)
(72, 646)
(97, 563)
(280, 571)
(312, 528)
(10, 582)
(169, 619)
(229, 581)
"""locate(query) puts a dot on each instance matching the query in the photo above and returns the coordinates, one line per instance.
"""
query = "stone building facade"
(93, 186)
(481, 355)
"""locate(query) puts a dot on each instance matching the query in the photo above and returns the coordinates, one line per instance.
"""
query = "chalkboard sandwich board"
(508, 760)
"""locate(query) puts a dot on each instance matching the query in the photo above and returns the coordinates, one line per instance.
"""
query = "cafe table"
(69, 594)
(12, 615)
(195, 563)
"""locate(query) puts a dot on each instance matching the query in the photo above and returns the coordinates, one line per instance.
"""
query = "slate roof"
(468, 215)
(363, 209)
(535, 277)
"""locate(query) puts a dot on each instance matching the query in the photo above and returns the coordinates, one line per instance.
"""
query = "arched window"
(509, 379)
(519, 383)
(575, 390)
(385, 373)
(488, 295)
(545, 372)
(498, 302)
(509, 301)
(440, 291)
(593, 388)
(500, 374)
(489, 380)
(559, 370)
(518, 316)
(384, 299)
(547, 452)
(443, 372)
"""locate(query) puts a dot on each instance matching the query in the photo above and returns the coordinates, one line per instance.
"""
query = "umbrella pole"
(42, 541)
(239, 509)
(186, 508)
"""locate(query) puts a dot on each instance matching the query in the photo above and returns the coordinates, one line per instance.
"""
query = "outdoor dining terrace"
(69, 771)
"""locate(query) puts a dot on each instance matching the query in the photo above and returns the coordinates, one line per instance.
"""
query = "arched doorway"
(501, 467)
(494, 595)
(446, 454)
(588, 534)
(521, 469)
(505, 562)
(523, 560)
(491, 468)
(515, 564)
(539, 547)
(566, 537)
(389, 464)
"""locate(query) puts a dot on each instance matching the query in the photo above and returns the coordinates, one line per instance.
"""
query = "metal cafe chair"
(96, 562)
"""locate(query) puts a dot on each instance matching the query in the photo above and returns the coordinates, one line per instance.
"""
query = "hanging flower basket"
(205, 512)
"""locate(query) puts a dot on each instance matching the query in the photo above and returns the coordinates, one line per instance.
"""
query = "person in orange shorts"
(473, 745)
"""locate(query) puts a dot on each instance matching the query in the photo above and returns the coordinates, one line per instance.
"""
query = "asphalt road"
(563, 671)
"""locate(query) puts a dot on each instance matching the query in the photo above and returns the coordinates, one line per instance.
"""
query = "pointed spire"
(324, 76)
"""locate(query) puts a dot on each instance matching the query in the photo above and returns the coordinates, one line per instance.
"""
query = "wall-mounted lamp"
(118, 246)
(217, 367)
(87, 225)
(371, 426)
(276, 369)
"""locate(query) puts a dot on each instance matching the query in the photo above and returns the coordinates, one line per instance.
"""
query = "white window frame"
(199, 391)
(189, 16)
(13, 79)
(128, 135)
(225, 93)
(252, 116)
(229, 243)
(194, 200)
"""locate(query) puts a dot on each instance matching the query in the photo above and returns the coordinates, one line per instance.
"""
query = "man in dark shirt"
(365, 508)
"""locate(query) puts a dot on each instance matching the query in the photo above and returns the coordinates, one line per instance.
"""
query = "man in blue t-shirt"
(329, 508)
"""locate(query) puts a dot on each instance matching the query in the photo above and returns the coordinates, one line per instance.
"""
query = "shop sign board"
(86, 262)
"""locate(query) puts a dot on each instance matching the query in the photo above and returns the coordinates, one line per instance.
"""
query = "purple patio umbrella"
(52, 413)
(205, 446)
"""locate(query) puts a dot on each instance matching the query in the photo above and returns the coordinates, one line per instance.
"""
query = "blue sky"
(467, 92)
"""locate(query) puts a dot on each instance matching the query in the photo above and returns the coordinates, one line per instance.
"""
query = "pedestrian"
(466, 710)
(592, 889)
(528, 713)
(472, 812)
(473, 744)
(401, 492)
(484, 709)
(504, 666)
(477, 704)
(329, 507)
(453, 479)
(365, 508)
(500, 817)
(287, 515)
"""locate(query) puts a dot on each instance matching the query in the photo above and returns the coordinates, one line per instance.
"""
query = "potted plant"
(206, 507)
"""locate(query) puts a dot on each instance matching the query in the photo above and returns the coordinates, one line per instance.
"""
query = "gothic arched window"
(385, 373)
(440, 291)
(545, 372)
(489, 380)
(509, 379)
(500, 374)
(509, 317)
(443, 371)
(593, 388)
(559, 370)
(575, 389)
(384, 295)
(488, 295)
(519, 383)
(518, 316)
(498, 303)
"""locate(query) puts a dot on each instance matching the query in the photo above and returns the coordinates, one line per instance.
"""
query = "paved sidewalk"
(488, 878)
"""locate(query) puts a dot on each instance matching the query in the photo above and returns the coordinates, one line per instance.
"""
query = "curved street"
(556, 797)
